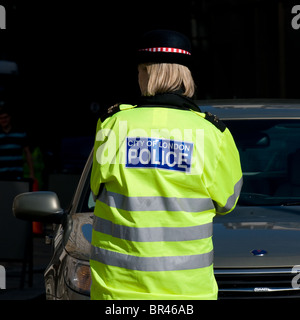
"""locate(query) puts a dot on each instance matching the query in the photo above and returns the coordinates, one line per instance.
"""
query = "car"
(256, 247)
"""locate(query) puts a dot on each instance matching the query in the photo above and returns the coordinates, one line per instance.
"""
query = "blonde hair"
(168, 77)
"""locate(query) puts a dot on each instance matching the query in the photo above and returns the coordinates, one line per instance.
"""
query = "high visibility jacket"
(159, 176)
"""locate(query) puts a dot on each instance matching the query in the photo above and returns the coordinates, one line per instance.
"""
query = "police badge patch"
(159, 153)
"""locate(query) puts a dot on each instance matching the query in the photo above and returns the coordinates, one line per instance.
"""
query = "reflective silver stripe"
(120, 201)
(152, 234)
(232, 199)
(152, 263)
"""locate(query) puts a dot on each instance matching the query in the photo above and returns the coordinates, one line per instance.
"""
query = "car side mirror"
(42, 206)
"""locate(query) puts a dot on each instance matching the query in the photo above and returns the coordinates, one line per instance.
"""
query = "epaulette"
(110, 111)
(116, 108)
(215, 121)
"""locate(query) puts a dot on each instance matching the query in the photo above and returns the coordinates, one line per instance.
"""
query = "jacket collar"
(168, 100)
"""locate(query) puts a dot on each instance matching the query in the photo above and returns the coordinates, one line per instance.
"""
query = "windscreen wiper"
(295, 203)
(258, 199)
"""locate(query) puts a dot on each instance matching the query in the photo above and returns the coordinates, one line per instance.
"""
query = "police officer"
(162, 170)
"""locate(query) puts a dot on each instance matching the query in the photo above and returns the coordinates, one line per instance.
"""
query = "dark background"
(71, 55)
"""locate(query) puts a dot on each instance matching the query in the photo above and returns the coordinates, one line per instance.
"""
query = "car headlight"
(78, 275)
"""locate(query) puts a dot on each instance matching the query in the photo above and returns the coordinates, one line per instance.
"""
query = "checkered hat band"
(166, 49)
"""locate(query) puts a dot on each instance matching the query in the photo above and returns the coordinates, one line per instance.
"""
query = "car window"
(86, 202)
(270, 156)
(91, 203)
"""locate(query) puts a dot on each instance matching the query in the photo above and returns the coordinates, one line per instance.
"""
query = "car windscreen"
(270, 158)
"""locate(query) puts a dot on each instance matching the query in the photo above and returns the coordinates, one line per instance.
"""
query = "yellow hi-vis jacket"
(159, 177)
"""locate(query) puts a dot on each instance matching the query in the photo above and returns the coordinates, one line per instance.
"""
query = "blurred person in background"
(14, 146)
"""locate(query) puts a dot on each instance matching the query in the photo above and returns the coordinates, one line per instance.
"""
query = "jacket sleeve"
(228, 179)
(95, 181)
(104, 154)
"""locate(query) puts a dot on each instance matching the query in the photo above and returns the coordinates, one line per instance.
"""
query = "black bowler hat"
(164, 46)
